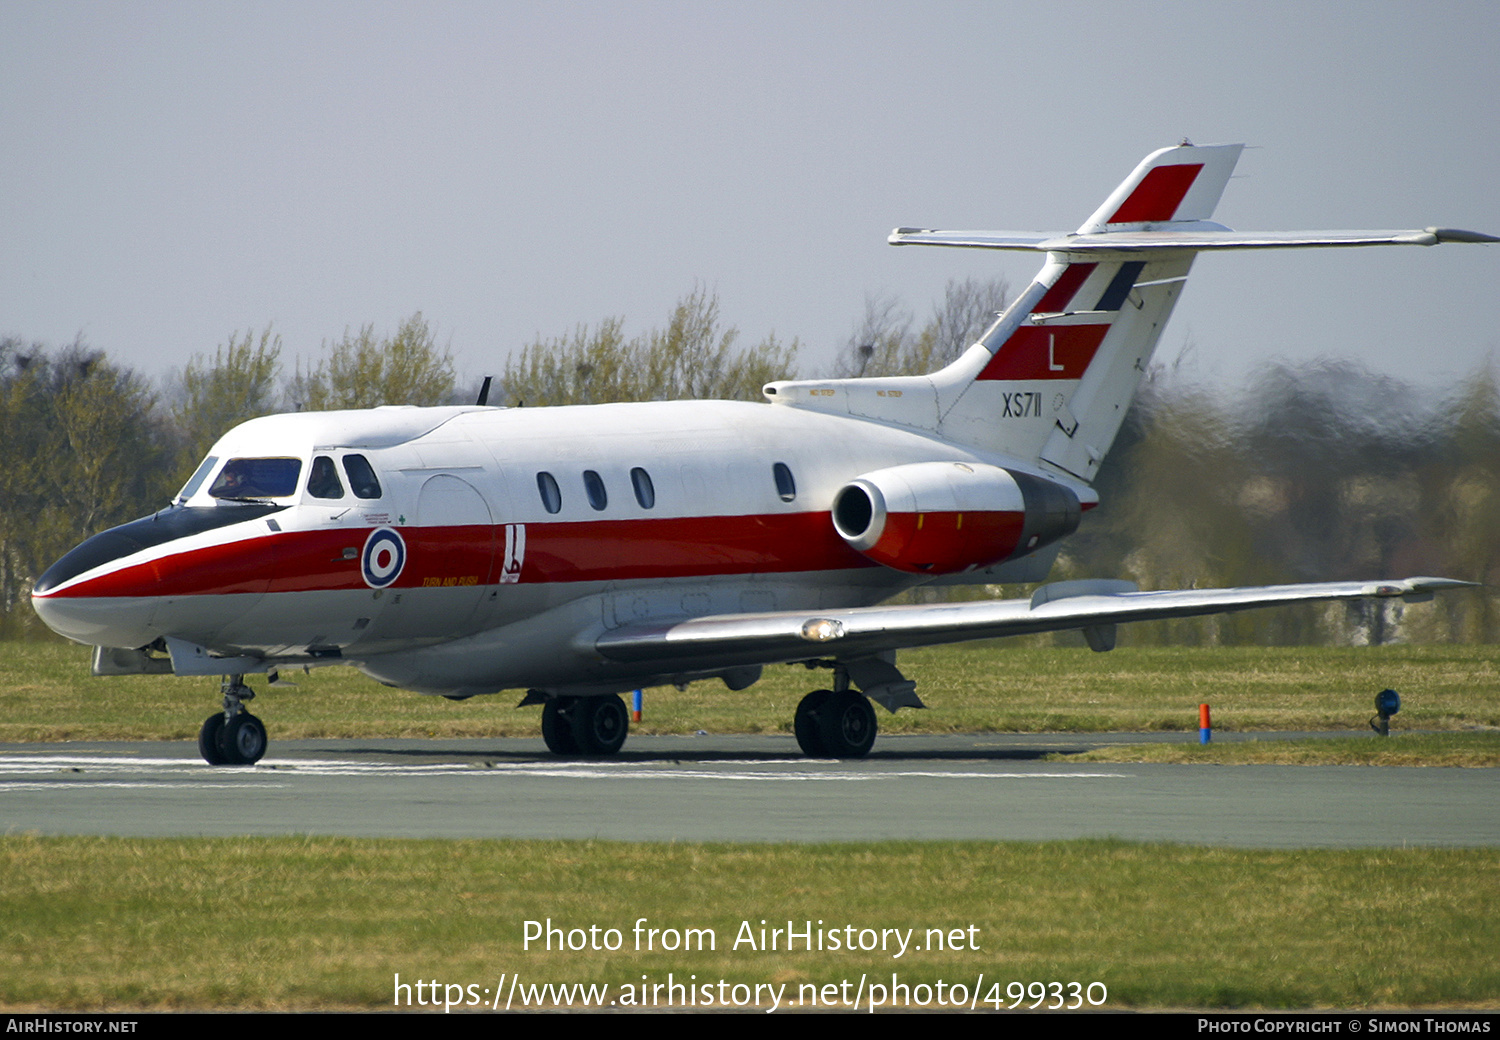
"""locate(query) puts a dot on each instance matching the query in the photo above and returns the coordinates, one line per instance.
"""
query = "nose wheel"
(233, 737)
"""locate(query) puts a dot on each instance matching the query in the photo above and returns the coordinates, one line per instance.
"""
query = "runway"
(755, 789)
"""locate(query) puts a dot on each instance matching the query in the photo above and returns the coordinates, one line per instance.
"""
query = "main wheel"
(557, 725)
(242, 741)
(806, 725)
(208, 739)
(600, 725)
(847, 724)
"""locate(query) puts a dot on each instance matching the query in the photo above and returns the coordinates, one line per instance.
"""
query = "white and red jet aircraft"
(581, 552)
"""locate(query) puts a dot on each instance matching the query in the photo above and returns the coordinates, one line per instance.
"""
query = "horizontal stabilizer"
(1208, 238)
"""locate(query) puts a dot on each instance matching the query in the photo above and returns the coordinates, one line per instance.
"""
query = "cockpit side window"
(324, 482)
(361, 476)
(196, 480)
(257, 478)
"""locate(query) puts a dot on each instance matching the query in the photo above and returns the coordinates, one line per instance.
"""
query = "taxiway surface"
(988, 787)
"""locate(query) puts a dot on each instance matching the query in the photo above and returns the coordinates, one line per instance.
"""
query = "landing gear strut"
(232, 737)
(585, 725)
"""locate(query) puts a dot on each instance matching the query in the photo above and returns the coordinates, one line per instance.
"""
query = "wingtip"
(1460, 235)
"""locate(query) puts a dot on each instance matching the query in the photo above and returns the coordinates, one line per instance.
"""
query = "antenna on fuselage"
(484, 392)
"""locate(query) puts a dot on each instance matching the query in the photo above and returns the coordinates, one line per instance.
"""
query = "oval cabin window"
(546, 486)
(786, 486)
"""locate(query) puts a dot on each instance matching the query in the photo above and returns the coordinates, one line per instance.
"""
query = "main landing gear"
(585, 725)
(232, 737)
(836, 723)
(840, 723)
(833, 724)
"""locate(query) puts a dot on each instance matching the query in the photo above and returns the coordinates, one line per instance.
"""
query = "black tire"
(557, 725)
(242, 741)
(806, 724)
(208, 739)
(600, 725)
(847, 724)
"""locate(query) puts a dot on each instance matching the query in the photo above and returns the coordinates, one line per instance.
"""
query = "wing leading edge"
(1092, 606)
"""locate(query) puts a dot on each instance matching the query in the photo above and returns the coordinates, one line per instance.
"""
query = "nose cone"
(107, 591)
(76, 597)
(98, 621)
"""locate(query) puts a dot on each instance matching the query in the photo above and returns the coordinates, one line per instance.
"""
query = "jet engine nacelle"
(943, 517)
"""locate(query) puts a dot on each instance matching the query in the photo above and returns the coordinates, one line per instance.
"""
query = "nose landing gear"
(233, 737)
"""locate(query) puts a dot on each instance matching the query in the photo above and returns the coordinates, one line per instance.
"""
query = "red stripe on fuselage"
(600, 550)
(688, 546)
(1158, 195)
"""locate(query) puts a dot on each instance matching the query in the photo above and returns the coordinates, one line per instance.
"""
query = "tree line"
(1320, 471)
(1312, 473)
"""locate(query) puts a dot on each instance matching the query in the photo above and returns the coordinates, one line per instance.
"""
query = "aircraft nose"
(68, 599)
(98, 621)
(96, 595)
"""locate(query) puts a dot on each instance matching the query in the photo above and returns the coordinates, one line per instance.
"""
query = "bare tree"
(693, 356)
(239, 383)
(364, 371)
(885, 344)
(85, 449)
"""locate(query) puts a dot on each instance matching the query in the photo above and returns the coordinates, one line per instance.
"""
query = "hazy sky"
(178, 171)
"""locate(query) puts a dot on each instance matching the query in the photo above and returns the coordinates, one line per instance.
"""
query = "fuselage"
(468, 550)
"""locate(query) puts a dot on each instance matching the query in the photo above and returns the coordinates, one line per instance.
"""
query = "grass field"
(311, 923)
(46, 693)
(1467, 750)
(109, 924)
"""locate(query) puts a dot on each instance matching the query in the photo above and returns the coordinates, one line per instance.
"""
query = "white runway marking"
(87, 767)
(133, 785)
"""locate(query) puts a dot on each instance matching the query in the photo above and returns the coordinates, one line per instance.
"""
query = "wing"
(1095, 607)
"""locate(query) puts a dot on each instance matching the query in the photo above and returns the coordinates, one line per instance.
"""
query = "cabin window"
(196, 480)
(593, 486)
(546, 486)
(361, 476)
(645, 493)
(786, 486)
(324, 482)
(257, 478)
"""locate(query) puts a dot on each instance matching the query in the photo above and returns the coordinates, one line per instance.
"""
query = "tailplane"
(1050, 381)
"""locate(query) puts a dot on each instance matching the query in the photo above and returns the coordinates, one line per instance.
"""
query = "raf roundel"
(383, 558)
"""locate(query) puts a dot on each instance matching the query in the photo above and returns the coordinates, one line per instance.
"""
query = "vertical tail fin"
(1172, 186)
(1051, 380)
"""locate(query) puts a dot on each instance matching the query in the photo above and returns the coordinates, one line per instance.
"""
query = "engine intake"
(944, 517)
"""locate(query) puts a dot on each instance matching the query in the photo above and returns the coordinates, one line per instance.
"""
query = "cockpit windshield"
(196, 480)
(257, 478)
